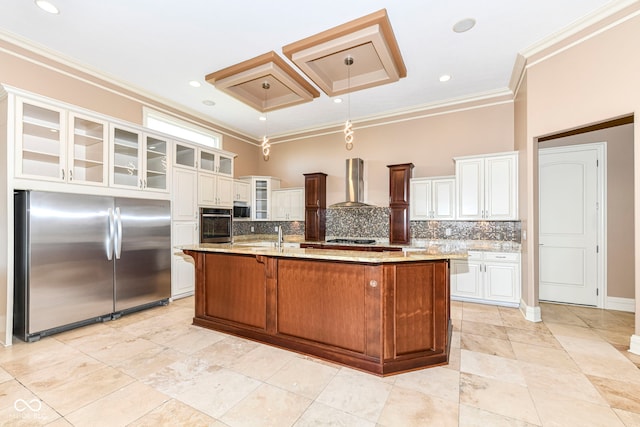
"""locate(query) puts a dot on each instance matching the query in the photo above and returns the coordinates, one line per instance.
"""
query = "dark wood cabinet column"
(399, 180)
(315, 206)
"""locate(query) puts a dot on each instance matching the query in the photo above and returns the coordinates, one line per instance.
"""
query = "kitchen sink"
(267, 244)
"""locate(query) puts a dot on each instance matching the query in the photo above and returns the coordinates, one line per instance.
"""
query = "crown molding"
(598, 21)
(110, 84)
(581, 24)
(453, 105)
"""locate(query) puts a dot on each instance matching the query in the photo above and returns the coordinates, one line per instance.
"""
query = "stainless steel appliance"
(241, 210)
(354, 188)
(80, 259)
(215, 225)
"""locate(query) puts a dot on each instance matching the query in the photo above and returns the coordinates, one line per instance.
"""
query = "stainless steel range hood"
(354, 185)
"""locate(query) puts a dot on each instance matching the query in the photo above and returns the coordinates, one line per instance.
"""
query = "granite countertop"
(431, 245)
(270, 249)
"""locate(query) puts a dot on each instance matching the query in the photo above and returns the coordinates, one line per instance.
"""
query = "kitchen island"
(381, 312)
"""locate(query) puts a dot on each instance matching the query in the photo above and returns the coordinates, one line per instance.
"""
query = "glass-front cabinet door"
(40, 147)
(261, 195)
(126, 158)
(225, 164)
(156, 150)
(88, 150)
(184, 155)
(207, 161)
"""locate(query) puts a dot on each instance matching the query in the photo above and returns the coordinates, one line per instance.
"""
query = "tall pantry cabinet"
(315, 206)
(184, 218)
(399, 198)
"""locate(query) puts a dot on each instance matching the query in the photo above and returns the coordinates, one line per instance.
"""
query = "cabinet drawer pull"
(373, 283)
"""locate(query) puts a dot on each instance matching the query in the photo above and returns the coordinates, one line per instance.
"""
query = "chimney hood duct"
(354, 185)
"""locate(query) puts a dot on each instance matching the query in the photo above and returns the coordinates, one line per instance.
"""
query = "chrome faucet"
(280, 236)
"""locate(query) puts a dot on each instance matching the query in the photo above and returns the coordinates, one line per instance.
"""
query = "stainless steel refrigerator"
(81, 259)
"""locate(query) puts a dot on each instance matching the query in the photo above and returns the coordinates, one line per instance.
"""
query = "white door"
(570, 191)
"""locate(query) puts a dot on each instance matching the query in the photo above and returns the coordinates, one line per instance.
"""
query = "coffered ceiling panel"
(265, 83)
(369, 42)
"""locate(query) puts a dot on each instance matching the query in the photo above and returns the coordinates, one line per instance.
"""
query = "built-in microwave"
(215, 225)
(241, 211)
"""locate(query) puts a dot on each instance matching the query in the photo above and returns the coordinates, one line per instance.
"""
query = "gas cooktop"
(353, 241)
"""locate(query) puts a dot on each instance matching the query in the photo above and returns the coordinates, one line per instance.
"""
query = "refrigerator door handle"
(111, 236)
(118, 233)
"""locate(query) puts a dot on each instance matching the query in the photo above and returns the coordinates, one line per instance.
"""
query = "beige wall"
(529, 253)
(619, 210)
(590, 82)
(430, 143)
(28, 71)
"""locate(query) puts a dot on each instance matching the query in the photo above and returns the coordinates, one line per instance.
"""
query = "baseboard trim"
(620, 304)
(532, 314)
(634, 344)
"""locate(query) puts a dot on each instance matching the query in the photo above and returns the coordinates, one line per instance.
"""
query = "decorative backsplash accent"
(373, 223)
(506, 231)
(368, 222)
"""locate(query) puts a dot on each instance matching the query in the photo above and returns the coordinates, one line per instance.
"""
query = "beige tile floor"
(153, 369)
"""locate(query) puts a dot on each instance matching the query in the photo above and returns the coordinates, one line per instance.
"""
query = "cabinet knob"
(373, 283)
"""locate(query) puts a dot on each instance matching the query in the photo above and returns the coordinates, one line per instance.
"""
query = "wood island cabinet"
(315, 206)
(399, 197)
(383, 318)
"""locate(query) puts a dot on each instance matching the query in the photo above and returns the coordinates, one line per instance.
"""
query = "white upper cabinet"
(287, 204)
(88, 150)
(40, 141)
(217, 162)
(54, 144)
(215, 190)
(487, 187)
(138, 160)
(261, 199)
(433, 198)
(241, 191)
(184, 155)
(155, 159)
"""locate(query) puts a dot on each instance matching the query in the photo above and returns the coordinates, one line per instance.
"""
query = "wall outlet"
(253, 229)
(447, 232)
(276, 228)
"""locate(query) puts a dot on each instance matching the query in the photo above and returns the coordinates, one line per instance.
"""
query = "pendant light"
(348, 126)
(266, 146)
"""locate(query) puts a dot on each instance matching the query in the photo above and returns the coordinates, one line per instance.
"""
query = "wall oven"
(215, 225)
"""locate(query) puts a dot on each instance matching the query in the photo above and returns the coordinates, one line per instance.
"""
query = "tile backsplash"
(373, 222)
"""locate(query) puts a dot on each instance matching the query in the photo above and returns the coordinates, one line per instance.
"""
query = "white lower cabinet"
(490, 277)
(183, 267)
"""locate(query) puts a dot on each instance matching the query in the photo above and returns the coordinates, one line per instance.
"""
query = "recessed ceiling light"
(445, 78)
(464, 25)
(194, 83)
(209, 102)
(338, 100)
(262, 118)
(47, 6)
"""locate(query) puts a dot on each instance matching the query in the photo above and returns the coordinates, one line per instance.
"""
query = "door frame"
(601, 176)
